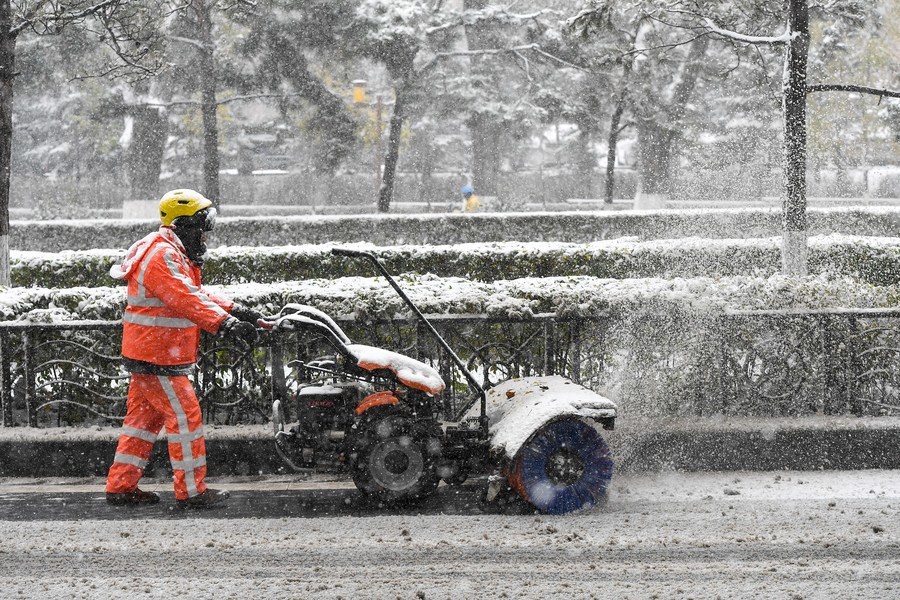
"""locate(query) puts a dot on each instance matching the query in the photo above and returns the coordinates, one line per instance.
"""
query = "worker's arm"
(167, 278)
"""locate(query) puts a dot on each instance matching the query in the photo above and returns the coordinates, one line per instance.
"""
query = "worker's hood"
(139, 249)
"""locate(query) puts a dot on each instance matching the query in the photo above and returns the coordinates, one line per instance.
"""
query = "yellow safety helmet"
(181, 203)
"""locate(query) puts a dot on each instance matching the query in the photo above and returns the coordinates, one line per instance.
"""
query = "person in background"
(167, 306)
(471, 203)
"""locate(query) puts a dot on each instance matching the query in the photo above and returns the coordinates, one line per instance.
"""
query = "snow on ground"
(716, 535)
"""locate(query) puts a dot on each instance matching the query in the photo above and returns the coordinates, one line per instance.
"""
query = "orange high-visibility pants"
(154, 401)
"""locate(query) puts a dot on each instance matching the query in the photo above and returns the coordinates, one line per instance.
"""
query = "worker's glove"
(243, 313)
(240, 331)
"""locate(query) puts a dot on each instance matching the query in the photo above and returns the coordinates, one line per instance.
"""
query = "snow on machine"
(380, 415)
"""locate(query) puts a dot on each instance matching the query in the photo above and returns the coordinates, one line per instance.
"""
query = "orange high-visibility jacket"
(167, 305)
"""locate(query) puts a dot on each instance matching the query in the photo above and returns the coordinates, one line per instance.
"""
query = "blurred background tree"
(507, 97)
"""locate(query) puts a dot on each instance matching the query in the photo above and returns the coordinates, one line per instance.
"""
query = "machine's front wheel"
(394, 458)
(566, 465)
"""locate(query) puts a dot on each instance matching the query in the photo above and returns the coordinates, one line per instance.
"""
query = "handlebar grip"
(347, 252)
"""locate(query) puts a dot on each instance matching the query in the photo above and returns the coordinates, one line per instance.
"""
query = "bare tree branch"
(545, 54)
(659, 19)
(840, 87)
(663, 46)
(527, 67)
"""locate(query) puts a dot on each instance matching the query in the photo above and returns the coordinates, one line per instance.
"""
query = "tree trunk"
(794, 253)
(657, 132)
(486, 141)
(585, 161)
(392, 155)
(611, 145)
(144, 156)
(486, 131)
(614, 131)
(208, 106)
(7, 75)
(654, 155)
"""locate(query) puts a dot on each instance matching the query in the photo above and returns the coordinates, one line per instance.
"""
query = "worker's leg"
(176, 399)
(142, 424)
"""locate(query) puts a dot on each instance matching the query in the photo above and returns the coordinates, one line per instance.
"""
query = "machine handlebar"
(351, 253)
(456, 360)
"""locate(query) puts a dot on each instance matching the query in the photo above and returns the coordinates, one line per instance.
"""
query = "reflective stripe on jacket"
(167, 306)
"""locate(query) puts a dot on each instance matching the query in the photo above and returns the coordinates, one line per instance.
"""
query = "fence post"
(420, 335)
(721, 402)
(5, 380)
(28, 343)
(278, 381)
(839, 364)
(832, 381)
(853, 367)
(548, 349)
(576, 350)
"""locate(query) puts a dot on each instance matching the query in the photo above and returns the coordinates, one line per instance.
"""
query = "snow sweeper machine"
(379, 415)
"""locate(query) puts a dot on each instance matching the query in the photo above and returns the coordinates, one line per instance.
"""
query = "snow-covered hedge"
(873, 260)
(371, 298)
(391, 229)
(658, 346)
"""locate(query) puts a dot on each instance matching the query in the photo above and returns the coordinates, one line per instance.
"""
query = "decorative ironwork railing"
(651, 362)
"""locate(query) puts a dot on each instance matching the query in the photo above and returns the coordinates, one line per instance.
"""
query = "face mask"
(193, 230)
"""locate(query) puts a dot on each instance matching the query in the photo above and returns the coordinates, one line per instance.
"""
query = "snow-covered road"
(832, 534)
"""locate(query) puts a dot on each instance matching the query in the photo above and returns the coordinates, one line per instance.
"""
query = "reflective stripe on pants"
(154, 401)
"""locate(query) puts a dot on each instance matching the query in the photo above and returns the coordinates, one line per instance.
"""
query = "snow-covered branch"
(442, 27)
(60, 16)
(491, 15)
(190, 41)
(839, 87)
(582, 14)
(497, 51)
(221, 102)
(749, 39)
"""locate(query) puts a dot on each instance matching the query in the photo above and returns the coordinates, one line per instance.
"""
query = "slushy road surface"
(772, 535)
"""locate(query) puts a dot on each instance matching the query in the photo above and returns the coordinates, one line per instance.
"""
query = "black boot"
(208, 498)
(134, 497)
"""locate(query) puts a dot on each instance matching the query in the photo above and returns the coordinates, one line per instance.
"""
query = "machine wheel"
(394, 457)
(565, 466)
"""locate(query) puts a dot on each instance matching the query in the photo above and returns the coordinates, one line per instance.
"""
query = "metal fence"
(651, 362)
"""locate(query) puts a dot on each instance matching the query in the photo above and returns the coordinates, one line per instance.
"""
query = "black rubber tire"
(394, 457)
(459, 477)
